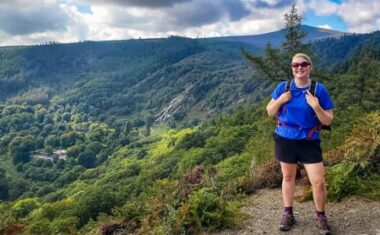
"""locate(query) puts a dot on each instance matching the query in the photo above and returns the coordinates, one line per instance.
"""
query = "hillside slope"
(136, 79)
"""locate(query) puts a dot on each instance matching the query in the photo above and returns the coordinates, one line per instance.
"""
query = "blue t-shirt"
(297, 113)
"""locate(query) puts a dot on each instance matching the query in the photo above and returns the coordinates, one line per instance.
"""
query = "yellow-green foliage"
(210, 211)
(54, 218)
(64, 225)
(233, 168)
(76, 188)
(162, 209)
(168, 141)
(159, 130)
(53, 210)
(261, 147)
(23, 207)
(6, 217)
(189, 159)
(121, 153)
(98, 130)
(40, 227)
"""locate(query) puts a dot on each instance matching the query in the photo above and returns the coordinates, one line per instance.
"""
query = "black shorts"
(294, 151)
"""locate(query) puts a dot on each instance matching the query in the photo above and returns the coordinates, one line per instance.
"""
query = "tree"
(20, 148)
(95, 147)
(97, 200)
(52, 141)
(149, 120)
(366, 82)
(66, 117)
(274, 65)
(87, 159)
(69, 139)
(74, 151)
(60, 164)
(24, 206)
(4, 195)
(126, 128)
(294, 33)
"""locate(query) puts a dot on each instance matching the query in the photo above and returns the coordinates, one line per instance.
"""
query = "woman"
(298, 112)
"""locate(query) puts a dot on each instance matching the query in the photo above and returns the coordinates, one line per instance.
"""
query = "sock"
(288, 210)
(320, 214)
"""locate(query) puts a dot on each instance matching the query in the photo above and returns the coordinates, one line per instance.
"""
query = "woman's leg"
(289, 171)
(316, 174)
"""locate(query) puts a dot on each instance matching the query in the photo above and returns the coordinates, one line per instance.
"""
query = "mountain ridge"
(276, 37)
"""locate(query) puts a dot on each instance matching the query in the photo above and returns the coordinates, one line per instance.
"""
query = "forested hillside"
(138, 158)
(173, 79)
(170, 79)
(335, 54)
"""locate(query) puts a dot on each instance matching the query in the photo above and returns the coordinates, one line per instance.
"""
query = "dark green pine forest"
(168, 136)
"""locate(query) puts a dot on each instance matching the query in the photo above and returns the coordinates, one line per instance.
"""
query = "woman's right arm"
(275, 105)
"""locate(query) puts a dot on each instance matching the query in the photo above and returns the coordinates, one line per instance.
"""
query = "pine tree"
(294, 34)
(274, 64)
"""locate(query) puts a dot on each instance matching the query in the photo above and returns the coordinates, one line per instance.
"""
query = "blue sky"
(39, 21)
(332, 21)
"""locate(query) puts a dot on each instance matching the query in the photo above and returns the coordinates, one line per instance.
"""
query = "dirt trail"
(351, 216)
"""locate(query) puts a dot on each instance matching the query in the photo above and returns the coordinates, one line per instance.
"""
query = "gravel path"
(351, 216)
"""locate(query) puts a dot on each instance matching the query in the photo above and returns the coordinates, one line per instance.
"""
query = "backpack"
(320, 126)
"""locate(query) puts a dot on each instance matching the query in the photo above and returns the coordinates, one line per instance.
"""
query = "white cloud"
(361, 16)
(190, 18)
(65, 20)
(323, 7)
(325, 26)
(137, 3)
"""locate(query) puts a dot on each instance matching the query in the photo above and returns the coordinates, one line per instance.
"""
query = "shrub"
(342, 181)
(356, 164)
(210, 211)
(23, 207)
(110, 229)
(269, 176)
(40, 227)
(66, 225)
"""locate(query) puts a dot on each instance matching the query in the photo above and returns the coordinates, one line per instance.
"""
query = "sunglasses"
(297, 65)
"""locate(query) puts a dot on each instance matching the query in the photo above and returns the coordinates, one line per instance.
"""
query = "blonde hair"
(303, 55)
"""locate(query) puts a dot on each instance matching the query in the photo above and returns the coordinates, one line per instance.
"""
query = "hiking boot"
(323, 225)
(287, 222)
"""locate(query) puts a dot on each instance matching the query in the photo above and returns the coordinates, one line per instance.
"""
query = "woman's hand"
(312, 100)
(274, 105)
(285, 97)
(324, 116)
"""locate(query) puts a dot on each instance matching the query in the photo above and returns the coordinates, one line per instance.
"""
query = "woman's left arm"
(324, 116)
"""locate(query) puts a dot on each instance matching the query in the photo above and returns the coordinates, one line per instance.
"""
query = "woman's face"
(301, 68)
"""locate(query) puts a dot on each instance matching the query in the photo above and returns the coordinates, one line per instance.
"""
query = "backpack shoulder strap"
(313, 87)
(287, 86)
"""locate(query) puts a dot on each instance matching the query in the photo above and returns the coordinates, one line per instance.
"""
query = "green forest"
(167, 136)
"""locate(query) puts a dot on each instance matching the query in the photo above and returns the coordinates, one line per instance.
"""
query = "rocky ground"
(351, 216)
